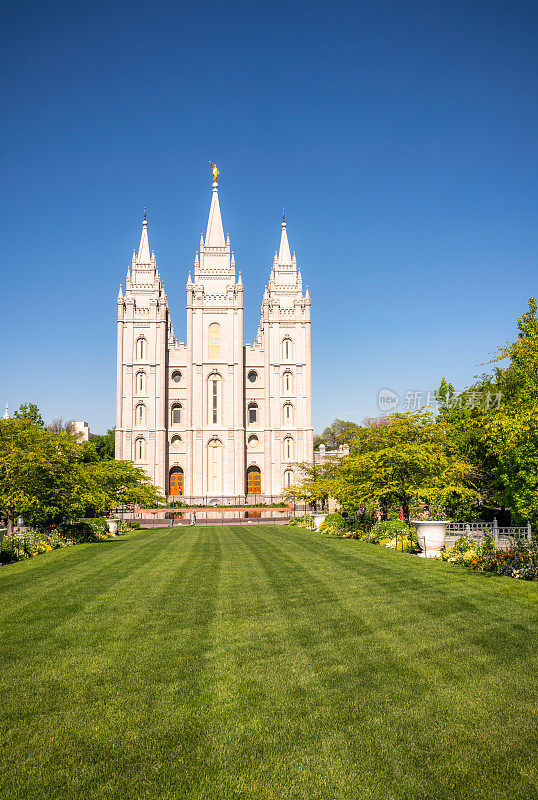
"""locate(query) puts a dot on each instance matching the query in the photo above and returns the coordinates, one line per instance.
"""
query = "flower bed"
(520, 562)
(32, 543)
(394, 533)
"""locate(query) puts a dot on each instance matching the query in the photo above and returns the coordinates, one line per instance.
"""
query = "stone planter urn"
(112, 526)
(319, 519)
(431, 535)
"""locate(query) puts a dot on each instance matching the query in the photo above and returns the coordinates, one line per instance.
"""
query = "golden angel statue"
(216, 172)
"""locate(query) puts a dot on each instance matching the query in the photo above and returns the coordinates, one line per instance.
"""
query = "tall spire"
(143, 249)
(215, 233)
(6, 413)
(284, 255)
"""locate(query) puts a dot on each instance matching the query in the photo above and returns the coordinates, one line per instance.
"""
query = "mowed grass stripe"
(263, 662)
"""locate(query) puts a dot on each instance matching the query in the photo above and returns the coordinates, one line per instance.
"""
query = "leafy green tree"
(511, 429)
(493, 423)
(105, 485)
(35, 472)
(104, 444)
(29, 412)
(340, 432)
(402, 461)
(316, 482)
(51, 478)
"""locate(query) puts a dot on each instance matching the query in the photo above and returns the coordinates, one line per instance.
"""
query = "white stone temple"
(211, 418)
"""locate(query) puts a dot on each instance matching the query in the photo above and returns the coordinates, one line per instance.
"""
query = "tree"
(511, 429)
(493, 423)
(35, 472)
(29, 412)
(316, 481)
(59, 426)
(107, 484)
(52, 478)
(402, 462)
(104, 444)
(340, 432)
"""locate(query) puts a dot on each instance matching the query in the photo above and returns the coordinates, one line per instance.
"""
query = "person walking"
(193, 520)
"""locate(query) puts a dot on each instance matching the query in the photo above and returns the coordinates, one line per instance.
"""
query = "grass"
(263, 662)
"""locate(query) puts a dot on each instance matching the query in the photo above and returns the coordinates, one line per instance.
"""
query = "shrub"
(334, 524)
(305, 521)
(389, 529)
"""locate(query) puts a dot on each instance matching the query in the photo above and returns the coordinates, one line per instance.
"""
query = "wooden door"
(254, 481)
(176, 482)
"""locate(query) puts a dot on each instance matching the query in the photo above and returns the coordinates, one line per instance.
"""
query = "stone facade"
(211, 418)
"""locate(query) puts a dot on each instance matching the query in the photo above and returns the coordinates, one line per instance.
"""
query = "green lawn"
(263, 662)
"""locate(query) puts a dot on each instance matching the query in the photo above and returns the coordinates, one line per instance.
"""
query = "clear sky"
(401, 137)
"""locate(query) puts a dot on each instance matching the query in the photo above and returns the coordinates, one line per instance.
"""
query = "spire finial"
(283, 217)
(145, 218)
(216, 172)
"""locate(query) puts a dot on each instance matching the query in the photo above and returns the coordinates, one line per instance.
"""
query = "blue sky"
(400, 136)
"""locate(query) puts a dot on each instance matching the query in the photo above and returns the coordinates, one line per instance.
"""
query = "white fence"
(502, 537)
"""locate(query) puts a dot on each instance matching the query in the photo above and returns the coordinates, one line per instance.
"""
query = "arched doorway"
(254, 480)
(175, 481)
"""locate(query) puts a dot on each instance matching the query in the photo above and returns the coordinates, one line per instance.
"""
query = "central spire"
(284, 255)
(215, 233)
(143, 249)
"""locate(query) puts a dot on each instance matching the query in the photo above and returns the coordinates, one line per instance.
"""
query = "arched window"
(252, 412)
(253, 441)
(287, 349)
(140, 449)
(141, 349)
(287, 383)
(214, 399)
(140, 383)
(288, 449)
(214, 466)
(287, 414)
(176, 376)
(214, 342)
(288, 478)
(140, 414)
(175, 415)
(175, 442)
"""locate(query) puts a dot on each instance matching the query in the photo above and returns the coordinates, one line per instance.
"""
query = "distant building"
(214, 418)
(82, 429)
(322, 453)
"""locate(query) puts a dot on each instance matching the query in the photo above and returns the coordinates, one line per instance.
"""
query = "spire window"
(140, 449)
(214, 399)
(175, 442)
(140, 414)
(288, 478)
(288, 449)
(287, 383)
(252, 413)
(175, 417)
(287, 414)
(140, 383)
(287, 349)
(214, 342)
(141, 349)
